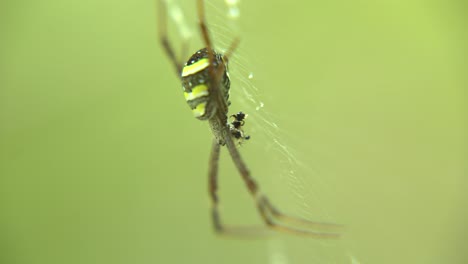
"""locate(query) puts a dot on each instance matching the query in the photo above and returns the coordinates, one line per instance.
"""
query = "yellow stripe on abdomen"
(199, 110)
(197, 92)
(195, 67)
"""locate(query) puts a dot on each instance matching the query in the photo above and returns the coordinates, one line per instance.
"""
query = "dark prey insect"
(205, 81)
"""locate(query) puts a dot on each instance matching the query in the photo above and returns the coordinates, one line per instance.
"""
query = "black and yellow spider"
(205, 80)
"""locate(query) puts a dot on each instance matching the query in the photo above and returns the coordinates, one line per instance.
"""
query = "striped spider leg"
(206, 85)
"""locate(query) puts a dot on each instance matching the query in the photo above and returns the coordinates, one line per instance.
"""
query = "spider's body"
(196, 81)
(205, 81)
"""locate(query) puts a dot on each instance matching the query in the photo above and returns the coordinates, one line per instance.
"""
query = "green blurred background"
(102, 162)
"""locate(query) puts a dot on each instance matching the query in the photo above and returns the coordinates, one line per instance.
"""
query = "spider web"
(268, 136)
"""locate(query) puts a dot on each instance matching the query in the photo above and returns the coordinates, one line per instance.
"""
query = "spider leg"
(270, 215)
(227, 55)
(231, 231)
(164, 39)
(205, 32)
(288, 224)
(213, 183)
(204, 29)
(298, 221)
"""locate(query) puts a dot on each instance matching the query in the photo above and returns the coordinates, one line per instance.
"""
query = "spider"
(205, 81)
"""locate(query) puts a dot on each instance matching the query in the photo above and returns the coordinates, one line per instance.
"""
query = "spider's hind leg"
(285, 223)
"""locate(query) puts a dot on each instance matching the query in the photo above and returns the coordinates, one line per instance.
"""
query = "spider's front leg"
(164, 38)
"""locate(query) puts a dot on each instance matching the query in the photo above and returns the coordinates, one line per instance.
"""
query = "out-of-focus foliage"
(102, 162)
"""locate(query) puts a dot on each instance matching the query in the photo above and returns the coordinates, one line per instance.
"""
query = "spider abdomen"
(196, 83)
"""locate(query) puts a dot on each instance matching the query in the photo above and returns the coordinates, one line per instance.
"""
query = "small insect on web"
(236, 127)
(206, 84)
